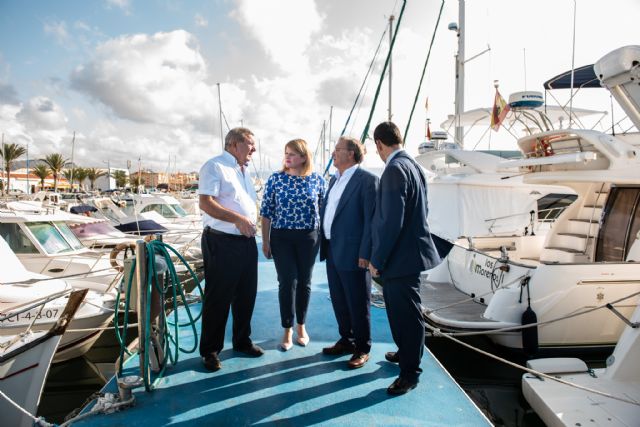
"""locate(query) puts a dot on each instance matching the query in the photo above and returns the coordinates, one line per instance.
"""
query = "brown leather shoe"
(401, 386)
(392, 356)
(358, 360)
(338, 349)
(212, 362)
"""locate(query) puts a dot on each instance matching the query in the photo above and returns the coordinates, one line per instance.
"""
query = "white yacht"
(45, 245)
(19, 289)
(582, 263)
(25, 359)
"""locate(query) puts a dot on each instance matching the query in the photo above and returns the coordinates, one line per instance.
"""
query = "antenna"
(573, 56)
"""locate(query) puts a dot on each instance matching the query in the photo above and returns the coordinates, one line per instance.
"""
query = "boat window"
(176, 207)
(552, 205)
(69, 236)
(49, 237)
(163, 210)
(621, 222)
(17, 240)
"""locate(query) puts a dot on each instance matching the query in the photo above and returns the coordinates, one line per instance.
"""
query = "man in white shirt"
(346, 245)
(230, 253)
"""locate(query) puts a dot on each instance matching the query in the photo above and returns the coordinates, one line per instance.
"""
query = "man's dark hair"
(387, 133)
(354, 146)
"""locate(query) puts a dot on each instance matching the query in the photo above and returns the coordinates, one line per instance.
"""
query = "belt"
(215, 232)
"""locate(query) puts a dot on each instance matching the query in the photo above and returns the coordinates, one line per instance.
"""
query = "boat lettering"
(51, 313)
(486, 270)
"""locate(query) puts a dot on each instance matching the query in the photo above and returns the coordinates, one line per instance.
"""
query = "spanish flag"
(499, 112)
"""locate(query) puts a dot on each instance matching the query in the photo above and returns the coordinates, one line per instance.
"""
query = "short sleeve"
(268, 208)
(209, 182)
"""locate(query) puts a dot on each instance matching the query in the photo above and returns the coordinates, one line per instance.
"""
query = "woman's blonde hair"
(300, 147)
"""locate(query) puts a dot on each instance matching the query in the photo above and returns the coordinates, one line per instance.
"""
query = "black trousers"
(351, 299)
(231, 282)
(402, 299)
(294, 254)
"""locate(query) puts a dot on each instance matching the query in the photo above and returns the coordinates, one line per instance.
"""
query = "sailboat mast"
(459, 99)
(391, 18)
(220, 114)
(73, 146)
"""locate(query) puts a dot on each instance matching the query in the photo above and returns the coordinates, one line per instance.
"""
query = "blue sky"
(137, 79)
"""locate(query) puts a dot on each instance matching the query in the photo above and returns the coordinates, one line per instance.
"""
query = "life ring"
(115, 251)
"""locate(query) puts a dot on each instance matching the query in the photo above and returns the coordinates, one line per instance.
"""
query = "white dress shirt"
(392, 155)
(222, 178)
(334, 198)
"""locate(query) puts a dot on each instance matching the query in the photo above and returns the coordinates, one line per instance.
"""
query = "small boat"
(618, 384)
(19, 289)
(24, 364)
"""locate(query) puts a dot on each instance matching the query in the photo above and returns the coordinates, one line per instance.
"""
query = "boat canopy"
(482, 116)
(583, 76)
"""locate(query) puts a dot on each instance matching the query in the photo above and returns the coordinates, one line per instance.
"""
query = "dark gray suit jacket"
(351, 226)
(402, 243)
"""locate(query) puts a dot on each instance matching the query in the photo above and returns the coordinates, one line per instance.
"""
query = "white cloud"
(156, 79)
(124, 5)
(200, 20)
(57, 29)
(284, 28)
(42, 113)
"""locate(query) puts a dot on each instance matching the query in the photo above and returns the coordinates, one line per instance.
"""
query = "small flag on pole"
(428, 129)
(500, 110)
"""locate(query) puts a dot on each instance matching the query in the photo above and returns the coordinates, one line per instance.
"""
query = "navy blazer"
(402, 243)
(351, 226)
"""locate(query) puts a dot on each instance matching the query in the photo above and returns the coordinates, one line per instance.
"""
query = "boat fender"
(530, 334)
(115, 251)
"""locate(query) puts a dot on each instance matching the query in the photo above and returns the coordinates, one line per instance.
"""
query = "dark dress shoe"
(358, 360)
(401, 386)
(212, 362)
(250, 350)
(392, 356)
(338, 349)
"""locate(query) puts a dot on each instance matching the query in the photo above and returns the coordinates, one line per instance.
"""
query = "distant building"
(30, 183)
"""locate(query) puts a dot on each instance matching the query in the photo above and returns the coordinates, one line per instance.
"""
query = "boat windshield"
(68, 235)
(16, 238)
(92, 229)
(164, 210)
(176, 207)
(49, 237)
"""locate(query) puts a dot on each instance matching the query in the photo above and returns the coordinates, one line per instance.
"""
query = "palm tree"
(80, 174)
(56, 163)
(42, 171)
(10, 152)
(120, 177)
(93, 174)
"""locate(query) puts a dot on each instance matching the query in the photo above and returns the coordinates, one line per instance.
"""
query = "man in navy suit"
(402, 249)
(346, 216)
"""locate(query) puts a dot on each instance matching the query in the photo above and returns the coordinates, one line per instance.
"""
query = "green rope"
(406, 132)
(171, 347)
(384, 70)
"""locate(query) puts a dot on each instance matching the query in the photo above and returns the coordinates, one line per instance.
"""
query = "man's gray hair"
(236, 135)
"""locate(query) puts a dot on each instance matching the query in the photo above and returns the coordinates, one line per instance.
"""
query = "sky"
(137, 81)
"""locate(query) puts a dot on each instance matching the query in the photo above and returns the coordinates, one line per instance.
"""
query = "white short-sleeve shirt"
(222, 178)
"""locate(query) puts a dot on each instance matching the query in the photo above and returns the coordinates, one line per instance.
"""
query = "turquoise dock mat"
(300, 387)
